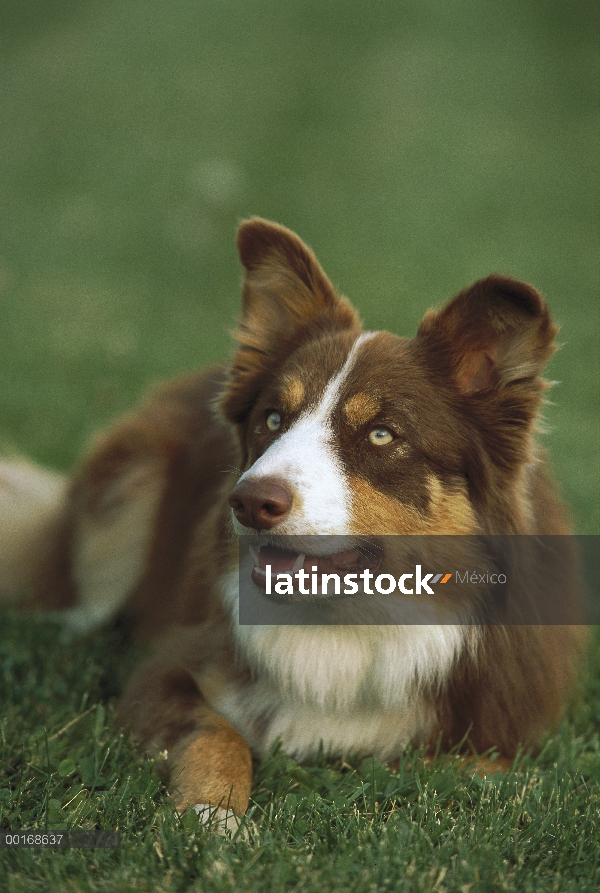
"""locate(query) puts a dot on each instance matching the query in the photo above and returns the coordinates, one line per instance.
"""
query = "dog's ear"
(496, 333)
(488, 346)
(286, 298)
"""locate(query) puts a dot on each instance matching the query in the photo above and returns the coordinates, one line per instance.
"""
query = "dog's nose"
(260, 504)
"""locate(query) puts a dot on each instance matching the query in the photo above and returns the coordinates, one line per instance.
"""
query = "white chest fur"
(353, 689)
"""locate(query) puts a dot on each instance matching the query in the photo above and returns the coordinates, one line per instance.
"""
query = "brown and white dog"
(315, 427)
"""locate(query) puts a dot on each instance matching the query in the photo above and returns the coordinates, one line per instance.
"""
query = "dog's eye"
(380, 436)
(273, 421)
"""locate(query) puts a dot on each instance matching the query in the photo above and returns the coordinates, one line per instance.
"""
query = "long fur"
(144, 528)
(31, 502)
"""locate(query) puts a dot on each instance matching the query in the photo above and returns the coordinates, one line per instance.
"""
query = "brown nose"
(260, 503)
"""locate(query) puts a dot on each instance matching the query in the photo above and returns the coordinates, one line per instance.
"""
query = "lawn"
(416, 145)
(427, 826)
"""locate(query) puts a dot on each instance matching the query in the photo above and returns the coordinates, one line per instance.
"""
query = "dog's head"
(365, 433)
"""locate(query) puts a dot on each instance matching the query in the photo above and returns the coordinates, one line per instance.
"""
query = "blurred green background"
(415, 144)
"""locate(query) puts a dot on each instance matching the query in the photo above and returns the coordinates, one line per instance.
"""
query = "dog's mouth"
(287, 561)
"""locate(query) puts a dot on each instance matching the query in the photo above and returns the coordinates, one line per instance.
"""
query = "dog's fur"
(143, 528)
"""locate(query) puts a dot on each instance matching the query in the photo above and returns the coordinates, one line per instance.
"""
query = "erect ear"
(496, 332)
(489, 345)
(286, 298)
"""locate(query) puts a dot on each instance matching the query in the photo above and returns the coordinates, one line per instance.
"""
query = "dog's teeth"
(298, 562)
(259, 570)
(254, 554)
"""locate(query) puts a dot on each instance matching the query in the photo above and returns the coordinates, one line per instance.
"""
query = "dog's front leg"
(211, 766)
(209, 762)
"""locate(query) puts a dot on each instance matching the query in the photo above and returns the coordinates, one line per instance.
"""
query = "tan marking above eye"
(293, 394)
(360, 409)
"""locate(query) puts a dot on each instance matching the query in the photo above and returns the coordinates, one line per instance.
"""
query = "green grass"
(416, 145)
(427, 826)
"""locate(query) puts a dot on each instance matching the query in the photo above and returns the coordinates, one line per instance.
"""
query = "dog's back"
(116, 536)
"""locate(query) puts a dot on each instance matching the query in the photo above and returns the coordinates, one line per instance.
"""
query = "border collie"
(316, 428)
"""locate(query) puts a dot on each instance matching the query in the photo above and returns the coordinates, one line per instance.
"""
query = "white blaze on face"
(305, 460)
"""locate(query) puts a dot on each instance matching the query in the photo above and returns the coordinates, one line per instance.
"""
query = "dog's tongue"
(282, 561)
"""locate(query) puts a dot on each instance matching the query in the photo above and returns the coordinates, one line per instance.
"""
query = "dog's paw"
(223, 821)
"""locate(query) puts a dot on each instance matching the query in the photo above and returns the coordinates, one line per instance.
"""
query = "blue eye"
(380, 436)
(273, 421)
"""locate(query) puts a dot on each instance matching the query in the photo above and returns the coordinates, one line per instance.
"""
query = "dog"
(315, 428)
